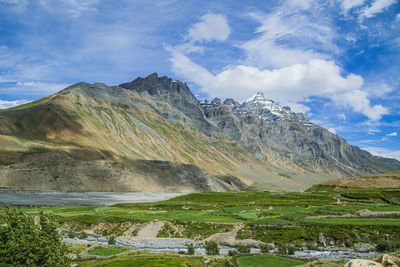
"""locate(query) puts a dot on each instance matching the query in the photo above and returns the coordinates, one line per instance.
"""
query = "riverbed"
(26, 198)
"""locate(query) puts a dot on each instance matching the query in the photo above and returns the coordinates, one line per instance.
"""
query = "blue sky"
(336, 61)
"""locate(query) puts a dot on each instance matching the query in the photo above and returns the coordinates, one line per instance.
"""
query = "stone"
(387, 260)
(362, 263)
(321, 239)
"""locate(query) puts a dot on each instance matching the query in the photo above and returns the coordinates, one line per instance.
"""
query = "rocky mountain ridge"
(103, 133)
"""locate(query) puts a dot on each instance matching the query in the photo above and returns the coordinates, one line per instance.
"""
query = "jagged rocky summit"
(152, 134)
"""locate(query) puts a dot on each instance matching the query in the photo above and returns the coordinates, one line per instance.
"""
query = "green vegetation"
(211, 248)
(267, 260)
(24, 243)
(289, 220)
(284, 175)
(100, 251)
(153, 260)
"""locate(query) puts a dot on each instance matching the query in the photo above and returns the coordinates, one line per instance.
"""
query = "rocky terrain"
(152, 134)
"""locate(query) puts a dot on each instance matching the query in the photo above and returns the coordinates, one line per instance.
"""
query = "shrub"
(211, 248)
(190, 249)
(291, 250)
(282, 249)
(264, 248)
(387, 245)
(111, 240)
(83, 235)
(24, 243)
(71, 234)
(232, 252)
(243, 249)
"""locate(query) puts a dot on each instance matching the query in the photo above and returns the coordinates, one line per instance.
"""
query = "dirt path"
(149, 231)
(226, 238)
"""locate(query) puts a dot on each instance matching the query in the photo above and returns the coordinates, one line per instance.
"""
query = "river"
(55, 199)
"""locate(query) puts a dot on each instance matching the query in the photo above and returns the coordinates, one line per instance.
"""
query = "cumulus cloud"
(211, 27)
(359, 102)
(8, 104)
(376, 7)
(32, 88)
(342, 116)
(288, 85)
(287, 25)
(383, 152)
(347, 5)
(392, 134)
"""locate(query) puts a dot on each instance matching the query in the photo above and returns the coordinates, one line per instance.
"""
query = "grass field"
(267, 260)
(153, 260)
(281, 215)
(272, 217)
(100, 251)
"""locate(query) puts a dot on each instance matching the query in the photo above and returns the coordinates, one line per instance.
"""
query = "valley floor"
(332, 225)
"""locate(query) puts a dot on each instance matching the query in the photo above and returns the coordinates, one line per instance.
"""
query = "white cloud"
(286, 26)
(33, 88)
(383, 152)
(351, 38)
(8, 104)
(359, 102)
(398, 17)
(342, 116)
(347, 5)
(288, 85)
(392, 134)
(376, 7)
(332, 130)
(211, 27)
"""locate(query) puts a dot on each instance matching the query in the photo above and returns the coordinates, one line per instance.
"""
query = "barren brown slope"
(96, 123)
(375, 181)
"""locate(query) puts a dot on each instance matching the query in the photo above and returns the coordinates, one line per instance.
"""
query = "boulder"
(362, 263)
(388, 260)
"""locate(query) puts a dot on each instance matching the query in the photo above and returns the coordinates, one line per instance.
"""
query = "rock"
(388, 260)
(321, 239)
(331, 243)
(362, 263)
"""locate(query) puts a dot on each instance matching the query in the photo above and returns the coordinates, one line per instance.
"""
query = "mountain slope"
(108, 136)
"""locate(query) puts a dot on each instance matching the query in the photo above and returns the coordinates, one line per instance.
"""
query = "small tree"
(111, 240)
(264, 248)
(24, 243)
(242, 248)
(190, 249)
(211, 248)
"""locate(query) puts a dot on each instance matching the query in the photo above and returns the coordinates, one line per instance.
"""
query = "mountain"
(152, 134)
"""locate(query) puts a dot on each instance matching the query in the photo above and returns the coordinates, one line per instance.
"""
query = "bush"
(264, 248)
(387, 245)
(111, 240)
(291, 250)
(190, 249)
(243, 249)
(232, 252)
(24, 243)
(83, 235)
(282, 249)
(71, 234)
(211, 248)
